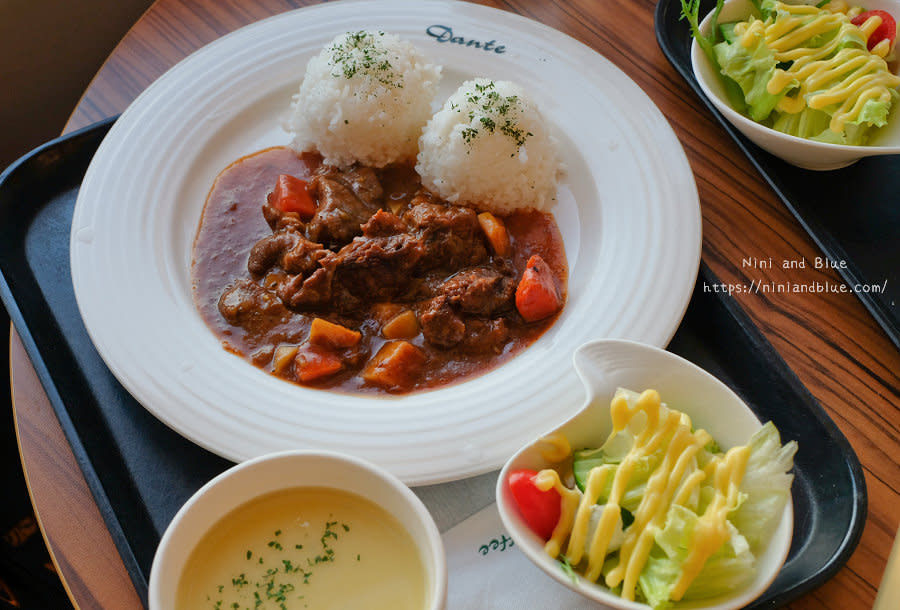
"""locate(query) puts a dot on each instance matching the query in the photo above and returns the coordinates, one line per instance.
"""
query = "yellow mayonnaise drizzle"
(847, 78)
(659, 430)
(555, 447)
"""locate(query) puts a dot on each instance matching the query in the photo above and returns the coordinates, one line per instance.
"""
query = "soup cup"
(260, 477)
(807, 154)
(605, 366)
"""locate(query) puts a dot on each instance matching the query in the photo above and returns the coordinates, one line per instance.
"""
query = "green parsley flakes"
(361, 53)
(489, 111)
(275, 587)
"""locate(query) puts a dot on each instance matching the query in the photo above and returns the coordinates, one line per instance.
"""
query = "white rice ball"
(364, 98)
(490, 147)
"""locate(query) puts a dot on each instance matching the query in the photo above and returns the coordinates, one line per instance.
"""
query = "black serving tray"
(853, 213)
(141, 472)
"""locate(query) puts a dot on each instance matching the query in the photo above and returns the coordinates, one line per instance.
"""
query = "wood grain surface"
(830, 341)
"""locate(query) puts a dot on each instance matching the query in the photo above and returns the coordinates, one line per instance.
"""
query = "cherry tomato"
(539, 508)
(887, 29)
(291, 195)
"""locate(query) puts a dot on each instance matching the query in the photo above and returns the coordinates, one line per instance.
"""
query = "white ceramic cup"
(263, 475)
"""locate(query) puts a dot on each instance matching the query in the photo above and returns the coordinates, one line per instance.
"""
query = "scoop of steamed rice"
(490, 147)
(365, 98)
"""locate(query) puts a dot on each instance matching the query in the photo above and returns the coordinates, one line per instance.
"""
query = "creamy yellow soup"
(316, 548)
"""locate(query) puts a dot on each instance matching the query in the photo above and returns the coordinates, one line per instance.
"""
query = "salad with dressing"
(819, 72)
(658, 513)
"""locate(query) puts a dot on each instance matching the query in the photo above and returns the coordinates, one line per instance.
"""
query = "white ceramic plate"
(628, 211)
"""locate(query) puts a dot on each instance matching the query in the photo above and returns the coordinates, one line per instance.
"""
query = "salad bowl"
(800, 152)
(604, 366)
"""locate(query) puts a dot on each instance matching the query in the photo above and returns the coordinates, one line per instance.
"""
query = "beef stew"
(365, 281)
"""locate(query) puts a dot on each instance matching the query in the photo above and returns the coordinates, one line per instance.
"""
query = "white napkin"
(488, 572)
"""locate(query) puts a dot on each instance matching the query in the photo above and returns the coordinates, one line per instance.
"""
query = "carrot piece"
(313, 363)
(537, 295)
(328, 334)
(395, 366)
(402, 326)
(496, 233)
(292, 195)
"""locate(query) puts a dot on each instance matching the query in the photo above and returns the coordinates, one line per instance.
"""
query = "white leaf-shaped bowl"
(605, 366)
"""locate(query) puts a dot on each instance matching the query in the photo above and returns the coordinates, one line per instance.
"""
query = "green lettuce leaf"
(767, 485)
(814, 125)
(751, 68)
(809, 123)
(875, 112)
(584, 461)
(731, 567)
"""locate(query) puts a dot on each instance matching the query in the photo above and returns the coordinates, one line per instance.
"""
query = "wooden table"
(830, 341)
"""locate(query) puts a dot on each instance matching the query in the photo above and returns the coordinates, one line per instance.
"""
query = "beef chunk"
(483, 336)
(346, 201)
(265, 253)
(278, 220)
(252, 307)
(320, 291)
(339, 217)
(314, 291)
(464, 308)
(427, 215)
(451, 234)
(288, 249)
(378, 268)
(303, 257)
(383, 224)
(365, 184)
(441, 325)
(480, 290)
